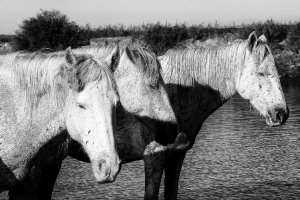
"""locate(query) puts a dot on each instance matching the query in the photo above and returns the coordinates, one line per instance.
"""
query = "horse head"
(258, 81)
(142, 92)
(91, 112)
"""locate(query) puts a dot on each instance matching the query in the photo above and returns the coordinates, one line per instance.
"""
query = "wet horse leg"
(154, 161)
(39, 185)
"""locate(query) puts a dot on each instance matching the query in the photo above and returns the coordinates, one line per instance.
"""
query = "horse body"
(43, 99)
(199, 81)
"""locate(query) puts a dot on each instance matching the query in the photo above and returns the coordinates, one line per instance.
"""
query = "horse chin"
(271, 121)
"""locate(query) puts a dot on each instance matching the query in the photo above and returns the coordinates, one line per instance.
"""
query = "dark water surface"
(236, 156)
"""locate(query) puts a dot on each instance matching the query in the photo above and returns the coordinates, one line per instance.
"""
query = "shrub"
(49, 29)
(6, 38)
(293, 43)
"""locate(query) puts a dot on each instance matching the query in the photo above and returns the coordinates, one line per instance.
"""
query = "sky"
(136, 12)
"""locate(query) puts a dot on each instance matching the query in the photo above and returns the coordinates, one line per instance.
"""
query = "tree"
(49, 29)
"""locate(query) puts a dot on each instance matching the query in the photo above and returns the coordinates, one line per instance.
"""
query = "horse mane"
(212, 66)
(100, 50)
(139, 55)
(47, 74)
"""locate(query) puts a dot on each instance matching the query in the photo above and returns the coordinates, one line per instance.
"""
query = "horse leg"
(172, 172)
(27, 189)
(175, 156)
(154, 160)
(48, 178)
(39, 185)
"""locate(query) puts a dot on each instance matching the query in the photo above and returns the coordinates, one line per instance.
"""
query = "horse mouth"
(277, 117)
(271, 122)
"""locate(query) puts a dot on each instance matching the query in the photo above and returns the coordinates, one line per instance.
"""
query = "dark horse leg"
(157, 158)
(172, 172)
(154, 161)
(49, 176)
(177, 152)
(39, 185)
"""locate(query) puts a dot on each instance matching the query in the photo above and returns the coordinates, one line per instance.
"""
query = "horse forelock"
(146, 61)
(89, 68)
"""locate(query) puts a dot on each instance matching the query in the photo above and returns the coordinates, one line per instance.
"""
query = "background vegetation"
(54, 30)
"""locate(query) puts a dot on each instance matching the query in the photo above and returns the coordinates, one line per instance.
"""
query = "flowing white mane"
(213, 66)
(42, 74)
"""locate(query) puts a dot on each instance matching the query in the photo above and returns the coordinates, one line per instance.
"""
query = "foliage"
(6, 38)
(293, 42)
(49, 29)
(52, 29)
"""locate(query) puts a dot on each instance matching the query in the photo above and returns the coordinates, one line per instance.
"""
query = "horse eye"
(81, 106)
(154, 86)
(261, 74)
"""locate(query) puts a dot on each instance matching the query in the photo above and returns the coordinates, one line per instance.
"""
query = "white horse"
(199, 81)
(45, 97)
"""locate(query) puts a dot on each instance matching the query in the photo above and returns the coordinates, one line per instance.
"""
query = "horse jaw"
(274, 116)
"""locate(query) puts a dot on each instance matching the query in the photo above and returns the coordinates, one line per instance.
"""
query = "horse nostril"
(279, 116)
(282, 115)
(101, 163)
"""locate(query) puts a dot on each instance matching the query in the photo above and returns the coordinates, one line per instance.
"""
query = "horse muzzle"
(277, 117)
(105, 172)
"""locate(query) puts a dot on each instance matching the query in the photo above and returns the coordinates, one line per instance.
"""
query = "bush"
(293, 43)
(49, 29)
(6, 38)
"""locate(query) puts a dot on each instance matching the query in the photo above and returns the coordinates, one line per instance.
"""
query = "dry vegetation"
(54, 30)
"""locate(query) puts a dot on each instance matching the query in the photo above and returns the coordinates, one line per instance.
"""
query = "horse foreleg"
(175, 156)
(172, 172)
(154, 160)
(48, 178)
(39, 185)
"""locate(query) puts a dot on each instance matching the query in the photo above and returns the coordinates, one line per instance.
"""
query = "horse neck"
(200, 80)
(33, 119)
(40, 80)
(216, 68)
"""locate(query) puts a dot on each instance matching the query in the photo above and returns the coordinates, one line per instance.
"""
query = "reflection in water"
(236, 156)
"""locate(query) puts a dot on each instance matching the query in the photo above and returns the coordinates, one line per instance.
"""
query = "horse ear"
(69, 72)
(114, 53)
(128, 54)
(263, 39)
(252, 41)
(70, 57)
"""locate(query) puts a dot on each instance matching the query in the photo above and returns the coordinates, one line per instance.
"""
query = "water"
(236, 156)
